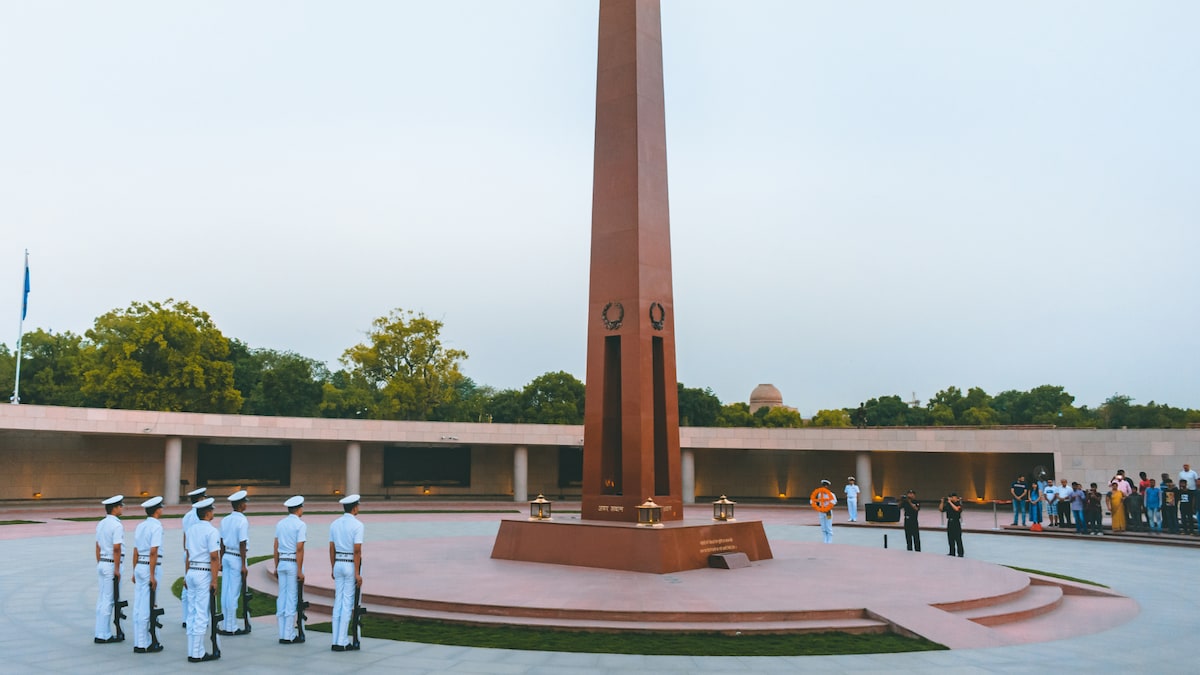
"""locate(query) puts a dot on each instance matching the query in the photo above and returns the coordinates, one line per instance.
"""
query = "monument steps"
(1033, 601)
(959, 603)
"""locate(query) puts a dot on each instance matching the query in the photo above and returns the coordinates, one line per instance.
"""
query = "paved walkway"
(48, 591)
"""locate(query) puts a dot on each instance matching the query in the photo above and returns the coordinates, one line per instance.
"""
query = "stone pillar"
(862, 476)
(687, 469)
(353, 467)
(520, 474)
(172, 465)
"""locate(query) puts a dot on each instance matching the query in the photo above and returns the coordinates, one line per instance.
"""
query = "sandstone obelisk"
(631, 425)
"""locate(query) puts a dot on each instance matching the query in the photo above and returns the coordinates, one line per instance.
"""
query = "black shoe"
(139, 650)
(206, 657)
(222, 631)
(241, 631)
(297, 640)
(293, 641)
(152, 649)
(337, 648)
(353, 648)
(104, 641)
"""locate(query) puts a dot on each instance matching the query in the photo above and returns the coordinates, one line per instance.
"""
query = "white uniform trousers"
(197, 581)
(343, 600)
(231, 589)
(141, 603)
(852, 507)
(285, 604)
(827, 527)
(104, 603)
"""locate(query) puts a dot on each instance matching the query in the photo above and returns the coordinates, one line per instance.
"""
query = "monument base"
(674, 547)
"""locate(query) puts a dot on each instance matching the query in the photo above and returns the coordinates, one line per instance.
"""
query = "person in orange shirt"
(823, 500)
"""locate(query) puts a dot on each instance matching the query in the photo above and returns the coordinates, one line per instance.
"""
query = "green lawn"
(1056, 576)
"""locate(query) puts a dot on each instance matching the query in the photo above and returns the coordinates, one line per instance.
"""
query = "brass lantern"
(723, 509)
(539, 509)
(649, 514)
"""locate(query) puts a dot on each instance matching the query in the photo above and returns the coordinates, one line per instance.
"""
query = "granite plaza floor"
(48, 591)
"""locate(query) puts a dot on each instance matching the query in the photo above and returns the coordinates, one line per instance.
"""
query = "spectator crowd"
(1138, 505)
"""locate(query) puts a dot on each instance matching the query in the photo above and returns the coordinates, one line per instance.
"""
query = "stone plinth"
(674, 547)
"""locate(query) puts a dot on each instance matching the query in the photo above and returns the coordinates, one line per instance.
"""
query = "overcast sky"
(867, 198)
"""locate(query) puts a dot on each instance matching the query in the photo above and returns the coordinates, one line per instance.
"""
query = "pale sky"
(867, 198)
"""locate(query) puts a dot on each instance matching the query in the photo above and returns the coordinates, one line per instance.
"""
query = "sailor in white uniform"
(290, 534)
(852, 491)
(345, 557)
(235, 541)
(204, 559)
(110, 536)
(147, 572)
(189, 519)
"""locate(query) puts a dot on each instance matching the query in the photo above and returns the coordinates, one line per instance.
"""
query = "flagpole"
(16, 397)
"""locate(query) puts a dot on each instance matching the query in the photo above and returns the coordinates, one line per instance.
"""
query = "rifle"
(246, 595)
(356, 618)
(118, 605)
(214, 617)
(155, 612)
(301, 617)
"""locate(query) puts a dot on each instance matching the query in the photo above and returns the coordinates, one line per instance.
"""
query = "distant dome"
(765, 396)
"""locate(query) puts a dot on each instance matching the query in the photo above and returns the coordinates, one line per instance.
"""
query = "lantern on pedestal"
(723, 509)
(649, 514)
(540, 508)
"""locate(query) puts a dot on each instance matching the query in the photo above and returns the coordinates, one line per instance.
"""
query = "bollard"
(885, 541)
(995, 516)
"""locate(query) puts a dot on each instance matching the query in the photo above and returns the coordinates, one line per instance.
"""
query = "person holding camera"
(912, 529)
(952, 507)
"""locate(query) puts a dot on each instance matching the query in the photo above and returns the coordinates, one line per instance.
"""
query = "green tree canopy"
(831, 418)
(404, 361)
(277, 383)
(553, 398)
(698, 407)
(159, 356)
(51, 369)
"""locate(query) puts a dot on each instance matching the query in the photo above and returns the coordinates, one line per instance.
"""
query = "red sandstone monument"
(631, 424)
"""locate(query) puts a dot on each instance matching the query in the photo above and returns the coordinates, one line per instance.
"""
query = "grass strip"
(671, 644)
(20, 522)
(1056, 576)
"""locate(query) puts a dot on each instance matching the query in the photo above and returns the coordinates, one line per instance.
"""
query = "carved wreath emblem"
(612, 315)
(657, 314)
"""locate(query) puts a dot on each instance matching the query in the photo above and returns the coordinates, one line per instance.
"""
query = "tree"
(166, 356)
(405, 363)
(736, 415)
(277, 383)
(553, 398)
(778, 417)
(51, 368)
(469, 403)
(505, 406)
(831, 418)
(698, 407)
(886, 411)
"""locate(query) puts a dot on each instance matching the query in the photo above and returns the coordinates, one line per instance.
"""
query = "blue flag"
(25, 298)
